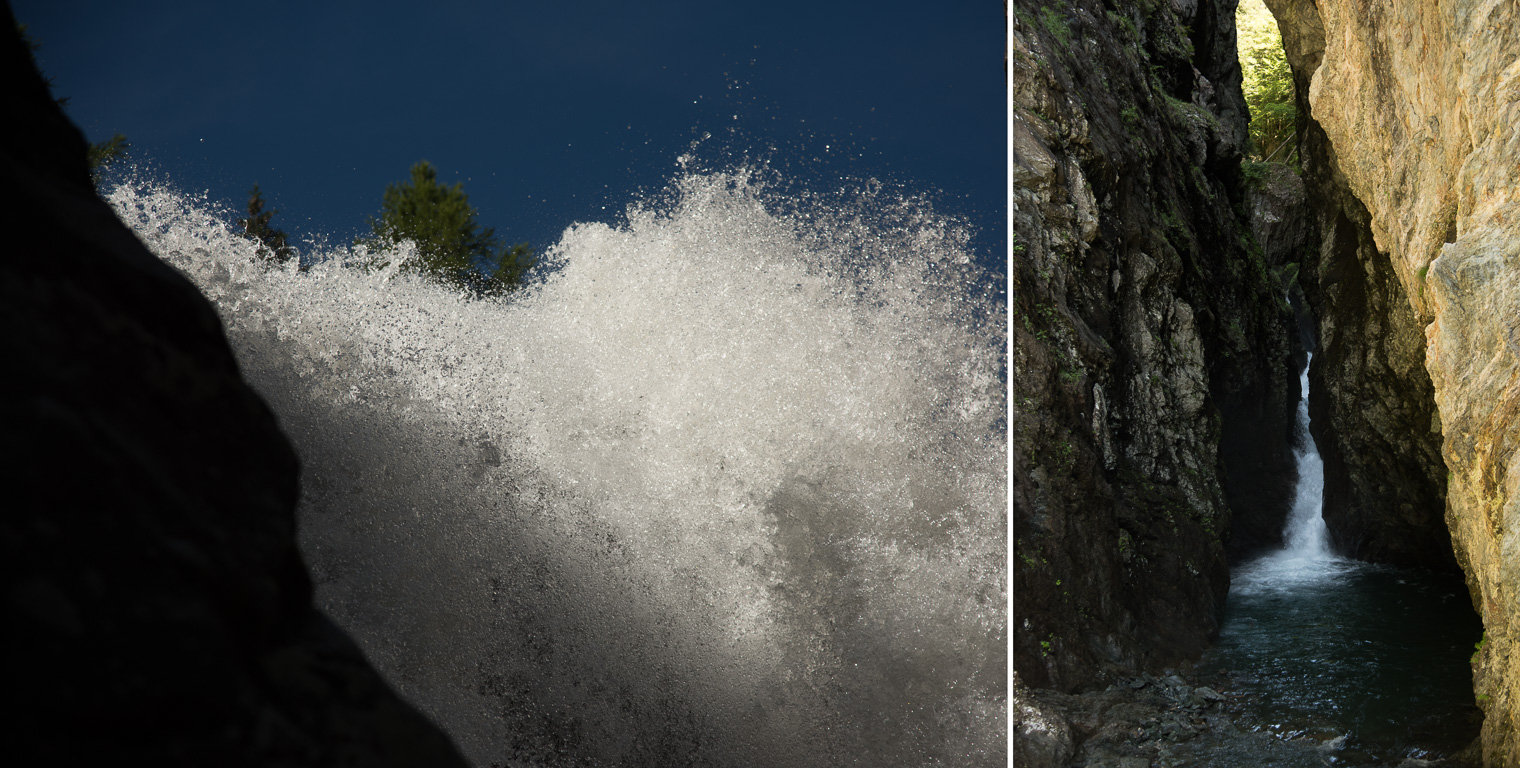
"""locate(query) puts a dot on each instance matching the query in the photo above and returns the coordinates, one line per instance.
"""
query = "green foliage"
(1287, 275)
(1253, 174)
(1266, 79)
(1032, 562)
(451, 245)
(1178, 44)
(100, 153)
(1066, 456)
(103, 153)
(272, 242)
(1124, 23)
(1056, 26)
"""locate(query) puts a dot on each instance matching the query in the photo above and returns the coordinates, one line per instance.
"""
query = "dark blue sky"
(545, 111)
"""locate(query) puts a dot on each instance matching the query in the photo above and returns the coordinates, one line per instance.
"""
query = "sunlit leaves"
(1267, 81)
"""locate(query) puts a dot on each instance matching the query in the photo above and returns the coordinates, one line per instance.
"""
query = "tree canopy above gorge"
(451, 244)
(1266, 81)
(452, 247)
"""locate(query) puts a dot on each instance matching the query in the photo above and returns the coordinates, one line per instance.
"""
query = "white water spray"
(1307, 538)
(1305, 556)
(727, 488)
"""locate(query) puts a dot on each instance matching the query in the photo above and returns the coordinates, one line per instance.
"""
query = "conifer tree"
(100, 153)
(272, 242)
(451, 245)
(103, 153)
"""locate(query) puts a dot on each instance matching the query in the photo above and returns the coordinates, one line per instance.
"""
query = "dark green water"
(1329, 661)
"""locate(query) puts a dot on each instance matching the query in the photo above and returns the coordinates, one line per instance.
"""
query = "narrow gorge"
(1165, 297)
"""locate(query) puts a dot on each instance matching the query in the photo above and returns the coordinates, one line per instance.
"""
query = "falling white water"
(727, 488)
(1306, 555)
(1306, 536)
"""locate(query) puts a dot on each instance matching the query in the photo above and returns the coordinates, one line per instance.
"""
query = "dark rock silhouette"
(1154, 395)
(158, 611)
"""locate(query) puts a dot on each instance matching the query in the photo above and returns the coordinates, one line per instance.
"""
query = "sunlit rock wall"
(1373, 411)
(1419, 104)
(1153, 388)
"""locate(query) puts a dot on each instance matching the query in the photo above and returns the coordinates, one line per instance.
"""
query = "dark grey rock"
(1154, 393)
(158, 611)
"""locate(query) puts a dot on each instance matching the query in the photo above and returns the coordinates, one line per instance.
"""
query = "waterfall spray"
(727, 487)
(1305, 556)
(1307, 538)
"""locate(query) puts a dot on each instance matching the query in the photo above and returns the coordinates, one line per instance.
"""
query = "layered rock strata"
(1153, 391)
(158, 611)
(1411, 140)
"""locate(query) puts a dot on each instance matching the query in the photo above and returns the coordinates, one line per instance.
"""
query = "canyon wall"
(1154, 392)
(1410, 143)
(1374, 414)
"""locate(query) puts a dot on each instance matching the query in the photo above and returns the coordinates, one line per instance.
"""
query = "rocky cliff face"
(157, 609)
(1412, 143)
(1153, 390)
(1373, 413)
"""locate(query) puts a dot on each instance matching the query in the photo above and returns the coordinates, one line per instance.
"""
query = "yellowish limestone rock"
(1421, 102)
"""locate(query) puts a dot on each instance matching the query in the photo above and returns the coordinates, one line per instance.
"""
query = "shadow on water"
(725, 489)
(1334, 661)
(1330, 661)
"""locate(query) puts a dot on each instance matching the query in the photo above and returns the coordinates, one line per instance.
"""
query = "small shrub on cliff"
(1056, 26)
(1253, 174)
(100, 153)
(1266, 80)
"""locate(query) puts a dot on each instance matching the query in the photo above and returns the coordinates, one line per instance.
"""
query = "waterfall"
(1334, 660)
(726, 487)
(1306, 536)
(1305, 557)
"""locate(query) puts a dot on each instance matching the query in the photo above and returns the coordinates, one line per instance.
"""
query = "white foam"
(1305, 557)
(739, 454)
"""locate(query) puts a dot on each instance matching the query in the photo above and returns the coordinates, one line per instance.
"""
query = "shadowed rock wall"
(157, 608)
(1154, 392)
(1415, 129)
